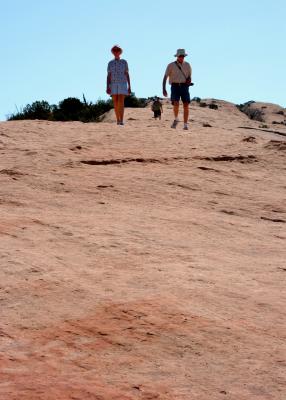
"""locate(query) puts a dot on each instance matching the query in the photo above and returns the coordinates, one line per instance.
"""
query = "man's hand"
(108, 90)
(165, 93)
(129, 91)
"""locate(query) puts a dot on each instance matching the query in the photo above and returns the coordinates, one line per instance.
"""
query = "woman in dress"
(118, 82)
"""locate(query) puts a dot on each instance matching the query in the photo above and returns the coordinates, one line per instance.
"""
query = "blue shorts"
(180, 91)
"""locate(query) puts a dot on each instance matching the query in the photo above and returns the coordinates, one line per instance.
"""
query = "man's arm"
(167, 73)
(190, 72)
(165, 93)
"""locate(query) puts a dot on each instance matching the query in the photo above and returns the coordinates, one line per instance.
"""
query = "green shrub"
(36, 110)
(279, 123)
(213, 106)
(133, 101)
(72, 109)
(91, 112)
(253, 113)
(242, 106)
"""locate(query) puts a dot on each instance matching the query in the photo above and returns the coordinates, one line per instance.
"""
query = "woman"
(118, 82)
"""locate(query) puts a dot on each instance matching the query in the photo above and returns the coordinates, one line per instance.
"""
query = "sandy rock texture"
(143, 262)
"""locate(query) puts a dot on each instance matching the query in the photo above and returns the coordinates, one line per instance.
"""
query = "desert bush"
(72, 109)
(196, 99)
(244, 105)
(36, 110)
(135, 102)
(279, 123)
(91, 112)
(213, 106)
(280, 112)
(253, 113)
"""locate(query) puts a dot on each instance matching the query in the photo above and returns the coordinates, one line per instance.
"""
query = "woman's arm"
(128, 81)
(108, 81)
(127, 76)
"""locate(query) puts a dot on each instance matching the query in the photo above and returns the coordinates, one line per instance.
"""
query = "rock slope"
(141, 262)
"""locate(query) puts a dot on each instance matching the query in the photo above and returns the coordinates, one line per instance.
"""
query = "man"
(180, 78)
(157, 108)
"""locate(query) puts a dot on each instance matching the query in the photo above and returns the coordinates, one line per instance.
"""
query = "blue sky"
(60, 48)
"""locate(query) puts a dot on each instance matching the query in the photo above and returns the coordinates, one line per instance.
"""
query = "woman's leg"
(121, 98)
(116, 106)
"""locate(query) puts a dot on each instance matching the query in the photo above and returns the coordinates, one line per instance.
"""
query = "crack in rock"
(10, 172)
(229, 212)
(248, 159)
(208, 169)
(132, 160)
(183, 186)
(276, 145)
(273, 219)
(264, 130)
(250, 139)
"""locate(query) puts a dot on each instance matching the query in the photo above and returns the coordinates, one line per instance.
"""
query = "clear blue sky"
(59, 48)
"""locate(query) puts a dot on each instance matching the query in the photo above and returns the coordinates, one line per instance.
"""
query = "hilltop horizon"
(73, 109)
(108, 98)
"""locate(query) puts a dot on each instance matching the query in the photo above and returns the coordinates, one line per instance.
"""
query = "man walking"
(180, 78)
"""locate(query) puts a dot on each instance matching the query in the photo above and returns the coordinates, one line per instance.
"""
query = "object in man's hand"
(189, 82)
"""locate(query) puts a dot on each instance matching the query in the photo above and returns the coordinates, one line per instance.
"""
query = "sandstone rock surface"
(142, 262)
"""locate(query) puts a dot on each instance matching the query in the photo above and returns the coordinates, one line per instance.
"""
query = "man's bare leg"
(186, 115)
(186, 112)
(176, 113)
(176, 109)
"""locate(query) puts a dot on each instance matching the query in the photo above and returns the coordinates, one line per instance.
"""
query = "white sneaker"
(186, 128)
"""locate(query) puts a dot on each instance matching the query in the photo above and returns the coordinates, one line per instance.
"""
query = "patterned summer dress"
(117, 70)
